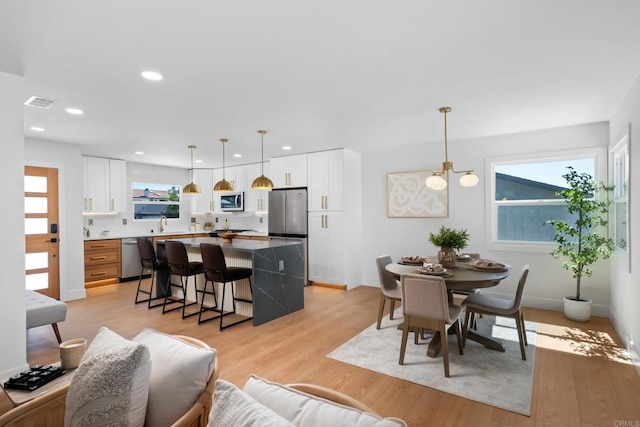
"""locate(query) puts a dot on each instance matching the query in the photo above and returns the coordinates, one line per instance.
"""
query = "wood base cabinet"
(101, 262)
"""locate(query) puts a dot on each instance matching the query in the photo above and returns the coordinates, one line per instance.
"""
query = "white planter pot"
(579, 311)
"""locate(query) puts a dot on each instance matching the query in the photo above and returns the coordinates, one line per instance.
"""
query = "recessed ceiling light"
(74, 111)
(237, 155)
(286, 147)
(37, 129)
(152, 75)
(140, 152)
(198, 161)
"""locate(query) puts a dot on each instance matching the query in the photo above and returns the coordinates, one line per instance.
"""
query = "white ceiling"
(362, 74)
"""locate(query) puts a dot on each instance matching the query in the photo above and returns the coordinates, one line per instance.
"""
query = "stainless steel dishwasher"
(130, 256)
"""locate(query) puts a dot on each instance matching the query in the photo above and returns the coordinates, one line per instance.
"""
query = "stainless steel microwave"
(232, 201)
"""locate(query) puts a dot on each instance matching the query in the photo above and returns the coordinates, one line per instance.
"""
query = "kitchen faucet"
(163, 223)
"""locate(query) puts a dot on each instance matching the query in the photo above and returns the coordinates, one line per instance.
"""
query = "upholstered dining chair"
(389, 289)
(148, 263)
(486, 304)
(425, 305)
(179, 265)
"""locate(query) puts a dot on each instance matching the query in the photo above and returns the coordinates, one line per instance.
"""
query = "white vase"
(579, 311)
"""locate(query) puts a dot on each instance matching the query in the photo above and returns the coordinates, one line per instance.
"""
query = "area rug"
(499, 379)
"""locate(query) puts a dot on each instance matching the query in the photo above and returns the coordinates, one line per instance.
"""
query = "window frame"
(599, 154)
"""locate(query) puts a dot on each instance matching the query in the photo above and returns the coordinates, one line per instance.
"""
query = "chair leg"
(204, 308)
(520, 328)
(381, 310)
(57, 332)
(467, 325)
(151, 297)
(233, 300)
(403, 343)
(524, 329)
(445, 349)
(459, 336)
(139, 291)
(169, 298)
(185, 287)
(392, 308)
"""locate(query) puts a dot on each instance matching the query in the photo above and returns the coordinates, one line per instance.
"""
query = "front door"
(41, 230)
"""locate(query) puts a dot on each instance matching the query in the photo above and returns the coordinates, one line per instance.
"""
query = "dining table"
(465, 277)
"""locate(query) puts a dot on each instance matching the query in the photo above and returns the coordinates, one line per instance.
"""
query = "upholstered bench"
(44, 310)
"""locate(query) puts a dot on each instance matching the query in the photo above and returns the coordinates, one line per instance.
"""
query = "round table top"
(460, 277)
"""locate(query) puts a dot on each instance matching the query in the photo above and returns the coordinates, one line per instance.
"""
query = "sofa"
(160, 380)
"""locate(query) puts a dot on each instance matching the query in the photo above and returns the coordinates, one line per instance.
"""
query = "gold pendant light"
(436, 181)
(192, 188)
(262, 182)
(223, 185)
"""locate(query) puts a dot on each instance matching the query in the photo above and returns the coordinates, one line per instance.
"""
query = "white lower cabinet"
(326, 247)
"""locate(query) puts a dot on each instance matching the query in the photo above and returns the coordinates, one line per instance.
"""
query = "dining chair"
(485, 304)
(425, 305)
(389, 289)
(149, 263)
(179, 265)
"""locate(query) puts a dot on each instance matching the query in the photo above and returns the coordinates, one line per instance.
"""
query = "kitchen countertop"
(133, 235)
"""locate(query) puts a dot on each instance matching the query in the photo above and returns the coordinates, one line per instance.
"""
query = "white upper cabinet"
(103, 185)
(205, 201)
(326, 180)
(236, 175)
(289, 171)
(255, 200)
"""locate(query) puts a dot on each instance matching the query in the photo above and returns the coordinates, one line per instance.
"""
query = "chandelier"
(192, 187)
(223, 185)
(436, 181)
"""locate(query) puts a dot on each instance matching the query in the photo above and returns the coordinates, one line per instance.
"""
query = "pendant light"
(436, 181)
(223, 185)
(192, 188)
(262, 182)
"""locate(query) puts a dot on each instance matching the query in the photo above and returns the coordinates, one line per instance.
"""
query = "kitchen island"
(277, 280)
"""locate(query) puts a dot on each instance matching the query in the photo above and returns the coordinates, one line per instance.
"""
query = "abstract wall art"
(409, 197)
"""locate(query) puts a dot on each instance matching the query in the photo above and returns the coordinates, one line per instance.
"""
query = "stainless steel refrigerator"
(288, 218)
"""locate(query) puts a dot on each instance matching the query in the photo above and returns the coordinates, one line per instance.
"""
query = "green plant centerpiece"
(449, 240)
(582, 241)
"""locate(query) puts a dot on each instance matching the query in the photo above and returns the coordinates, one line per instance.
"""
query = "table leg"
(491, 343)
(435, 345)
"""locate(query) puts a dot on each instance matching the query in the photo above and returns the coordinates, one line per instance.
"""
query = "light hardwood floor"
(581, 377)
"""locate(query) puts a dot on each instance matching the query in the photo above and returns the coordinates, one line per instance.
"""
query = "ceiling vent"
(39, 102)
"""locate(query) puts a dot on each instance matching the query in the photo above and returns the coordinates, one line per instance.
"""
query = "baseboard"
(627, 340)
(329, 285)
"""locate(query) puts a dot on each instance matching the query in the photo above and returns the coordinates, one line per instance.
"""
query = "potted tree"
(449, 240)
(580, 242)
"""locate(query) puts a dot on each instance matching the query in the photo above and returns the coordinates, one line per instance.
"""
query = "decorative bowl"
(227, 237)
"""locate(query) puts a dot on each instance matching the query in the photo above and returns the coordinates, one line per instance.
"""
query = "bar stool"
(149, 262)
(179, 265)
(216, 270)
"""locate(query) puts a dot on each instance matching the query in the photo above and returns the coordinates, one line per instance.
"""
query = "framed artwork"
(620, 219)
(409, 197)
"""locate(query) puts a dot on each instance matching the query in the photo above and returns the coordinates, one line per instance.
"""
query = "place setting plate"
(424, 270)
(488, 266)
(411, 260)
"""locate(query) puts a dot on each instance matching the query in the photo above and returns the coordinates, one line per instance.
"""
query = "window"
(152, 201)
(523, 195)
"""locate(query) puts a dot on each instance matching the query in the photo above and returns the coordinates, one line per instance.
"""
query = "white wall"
(66, 158)
(13, 321)
(625, 292)
(547, 282)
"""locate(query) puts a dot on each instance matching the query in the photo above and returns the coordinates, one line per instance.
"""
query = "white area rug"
(499, 379)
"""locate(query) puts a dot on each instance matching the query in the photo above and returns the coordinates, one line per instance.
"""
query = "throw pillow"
(233, 407)
(110, 386)
(179, 374)
(304, 409)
